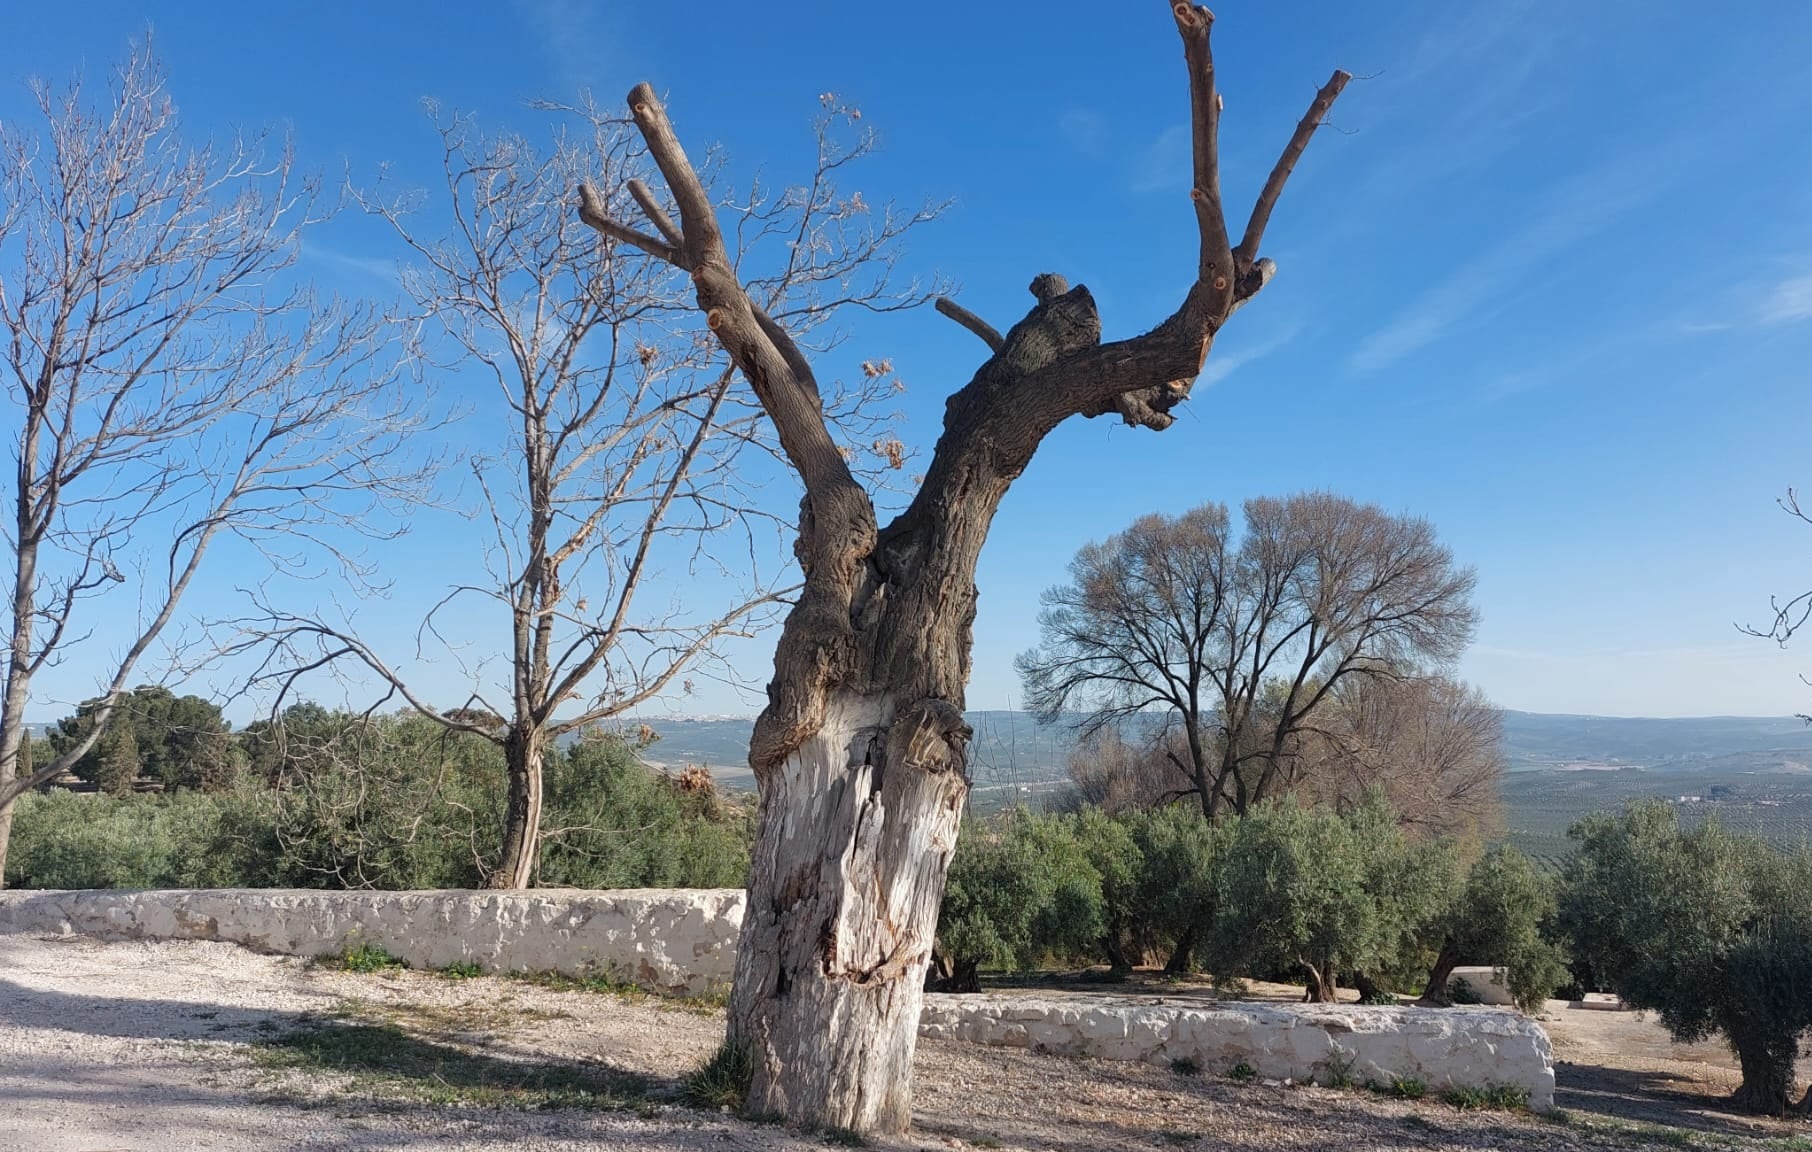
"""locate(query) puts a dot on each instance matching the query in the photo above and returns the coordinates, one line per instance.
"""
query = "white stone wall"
(682, 942)
(1443, 1048)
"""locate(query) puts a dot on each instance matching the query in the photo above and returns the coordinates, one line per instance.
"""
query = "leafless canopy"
(170, 383)
(628, 454)
(1237, 648)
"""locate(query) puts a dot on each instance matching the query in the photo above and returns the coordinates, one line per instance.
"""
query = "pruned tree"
(622, 438)
(1244, 647)
(860, 753)
(169, 385)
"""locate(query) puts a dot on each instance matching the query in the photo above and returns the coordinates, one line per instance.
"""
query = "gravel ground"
(181, 1046)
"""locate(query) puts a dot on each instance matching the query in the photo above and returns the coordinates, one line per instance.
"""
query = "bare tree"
(623, 437)
(1242, 645)
(860, 754)
(1431, 745)
(169, 384)
(1790, 615)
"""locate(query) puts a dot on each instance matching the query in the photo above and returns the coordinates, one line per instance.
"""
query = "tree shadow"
(1654, 1097)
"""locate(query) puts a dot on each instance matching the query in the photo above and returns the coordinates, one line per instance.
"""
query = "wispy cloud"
(1578, 209)
(1789, 301)
(1224, 364)
(1085, 129)
(583, 41)
(1165, 162)
(373, 266)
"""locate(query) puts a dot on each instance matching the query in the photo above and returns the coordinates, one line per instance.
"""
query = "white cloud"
(1085, 129)
(1224, 364)
(1165, 162)
(1790, 300)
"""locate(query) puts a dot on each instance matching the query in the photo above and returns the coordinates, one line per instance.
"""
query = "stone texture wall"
(1443, 1048)
(684, 942)
(681, 942)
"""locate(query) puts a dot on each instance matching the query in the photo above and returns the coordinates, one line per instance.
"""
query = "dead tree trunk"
(860, 754)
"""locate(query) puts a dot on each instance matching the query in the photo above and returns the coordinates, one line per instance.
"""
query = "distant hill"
(1721, 743)
(1013, 754)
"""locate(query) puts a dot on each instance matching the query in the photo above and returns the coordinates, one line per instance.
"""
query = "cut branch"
(990, 335)
(1247, 252)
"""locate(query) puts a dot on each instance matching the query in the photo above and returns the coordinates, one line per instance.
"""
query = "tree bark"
(1323, 986)
(860, 755)
(524, 753)
(857, 828)
(1767, 1076)
(1435, 993)
(1182, 956)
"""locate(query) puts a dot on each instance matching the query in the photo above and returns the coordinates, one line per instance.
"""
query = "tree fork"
(861, 752)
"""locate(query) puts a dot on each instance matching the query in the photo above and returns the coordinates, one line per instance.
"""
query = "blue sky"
(1548, 282)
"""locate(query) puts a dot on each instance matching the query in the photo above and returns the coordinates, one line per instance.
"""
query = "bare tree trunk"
(524, 753)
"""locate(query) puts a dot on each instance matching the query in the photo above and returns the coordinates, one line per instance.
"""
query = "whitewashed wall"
(1443, 1048)
(673, 941)
(684, 942)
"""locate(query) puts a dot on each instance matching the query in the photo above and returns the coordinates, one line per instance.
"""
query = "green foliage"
(186, 840)
(1711, 931)
(1179, 858)
(180, 741)
(1019, 889)
(614, 824)
(1242, 1073)
(1504, 916)
(1491, 1098)
(365, 959)
(723, 1080)
(461, 970)
(1406, 1088)
(336, 800)
(1309, 887)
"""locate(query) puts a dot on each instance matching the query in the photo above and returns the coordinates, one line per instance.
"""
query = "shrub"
(1711, 931)
(1300, 888)
(721, 1081)
(1020, 889)
(1502, 916)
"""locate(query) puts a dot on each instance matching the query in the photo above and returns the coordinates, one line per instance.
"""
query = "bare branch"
(990, 335)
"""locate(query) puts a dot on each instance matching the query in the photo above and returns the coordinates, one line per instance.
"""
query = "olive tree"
(1501, 916)
(1711, 931)
(860, 753)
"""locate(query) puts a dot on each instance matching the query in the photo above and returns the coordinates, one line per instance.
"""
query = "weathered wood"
(860, 752)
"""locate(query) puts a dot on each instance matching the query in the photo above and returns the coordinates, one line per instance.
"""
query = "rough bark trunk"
(522, 819)
(1368, 988)
(855, 836)
(1323, 987)
(1435, 993)
(1767, 1078)
(1117, 959)
(860, 754)
(1182, 956)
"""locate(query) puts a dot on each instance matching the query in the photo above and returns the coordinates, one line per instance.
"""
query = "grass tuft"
(1491, 1098)
(1242, 1073)
(461, 970)
(723, 1080)
(1186, 1066)
(365, 959)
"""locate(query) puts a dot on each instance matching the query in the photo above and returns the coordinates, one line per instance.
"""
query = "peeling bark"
(860, 754)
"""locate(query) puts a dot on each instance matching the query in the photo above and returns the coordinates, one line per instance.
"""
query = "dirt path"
(182, 1046)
